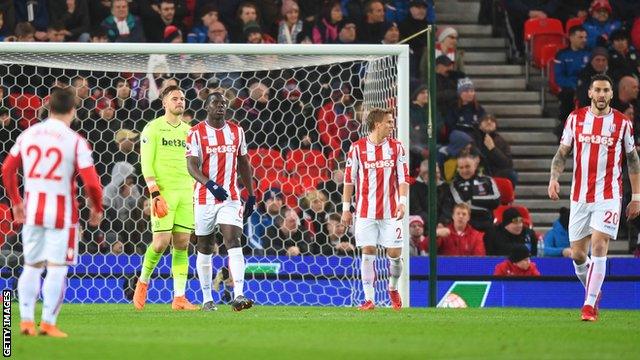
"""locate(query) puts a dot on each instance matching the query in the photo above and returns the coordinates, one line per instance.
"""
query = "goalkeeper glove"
(218, 192)
(249, 207)
(159, 205)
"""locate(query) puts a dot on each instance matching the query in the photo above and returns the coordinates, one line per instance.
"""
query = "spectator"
(74, 14)
(495, 152)
(172, 35)
(479, 191)
(466, 115)
(414, 23)
(446, 84)
(635, 33)
(418, 120)
(140, 236)
(155, 18)
(121, 26)
(568, 64)
(314, 211)
(99, 35)
(200, 33)
(627, 97)
(371, 31)
(347, 32)
(254, 114)
(121, 197)
(599, 64)
(518, 264)
(336, 240)
(391, 34)
(254, 35)
(291, 25)
(512, 232)
(326, 29)
(624, 60)
(9, 132)
(247, 13)
(556, 240)
(448, 45)
(24, 33)
(333, 187)
(34, 12)
(126, 141)
(461, 239)
(267, 210)
(419, 194)
(600, 24)
(217, 33)
(333, 118)
(518, 12)
(285, 237)
(6, 26)
(127, 110)
(419, 244)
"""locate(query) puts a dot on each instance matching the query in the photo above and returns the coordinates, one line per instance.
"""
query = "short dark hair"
(168, 90)
(56, 25)
(574, 29)
(62, 101)
(600, 77)
(211, 95)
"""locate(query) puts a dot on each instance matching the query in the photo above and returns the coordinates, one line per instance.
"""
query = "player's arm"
(91, 181)
(350, 177)
(633, 165)
(193, 167)
(402, 171)
(246, 176)
(159, 205)
(557, 167)
(10, 167)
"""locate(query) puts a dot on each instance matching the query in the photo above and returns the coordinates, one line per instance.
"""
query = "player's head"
(600, 91)
(62, 102)
(173, 100)
(380, 121)
(216, 105)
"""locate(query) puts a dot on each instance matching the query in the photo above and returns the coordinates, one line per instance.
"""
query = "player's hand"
(633, 209)
(346, 218)
(159, 206)
(95, 217)
(218, 191)
(18, 213)
(554, 190)
(400, 212)
(249, 207)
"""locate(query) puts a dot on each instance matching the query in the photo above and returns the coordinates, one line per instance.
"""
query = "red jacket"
(468, 243)
(507, 268)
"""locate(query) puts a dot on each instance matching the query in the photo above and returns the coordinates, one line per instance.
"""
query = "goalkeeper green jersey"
(162, 154)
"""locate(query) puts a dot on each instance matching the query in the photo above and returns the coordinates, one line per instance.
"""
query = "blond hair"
(376, 115)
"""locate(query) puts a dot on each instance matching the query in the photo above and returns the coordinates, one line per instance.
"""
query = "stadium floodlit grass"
(117, 331)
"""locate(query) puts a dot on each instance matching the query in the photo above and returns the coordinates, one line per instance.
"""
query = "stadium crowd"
(476, 178)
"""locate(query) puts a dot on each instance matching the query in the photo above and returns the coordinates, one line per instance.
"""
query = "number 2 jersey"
(598, 145)
(377, 171)
(51, 156)
(218, 151)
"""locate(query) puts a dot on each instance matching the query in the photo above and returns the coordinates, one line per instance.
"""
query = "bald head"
(628, 88)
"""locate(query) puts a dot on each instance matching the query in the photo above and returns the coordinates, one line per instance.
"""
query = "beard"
(177, 111)
(598, 104)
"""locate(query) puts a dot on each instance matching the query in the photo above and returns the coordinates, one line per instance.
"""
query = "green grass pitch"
(110, 331)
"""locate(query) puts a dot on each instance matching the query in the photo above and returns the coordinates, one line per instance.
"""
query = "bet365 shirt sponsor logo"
(174, 142)
(379, 164)
(221, 149)
(595, 139)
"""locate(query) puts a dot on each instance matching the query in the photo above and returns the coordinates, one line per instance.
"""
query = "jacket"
(497, 159)
(504, 241)
(480, 192)
(465, 118)
(507, 268)
(556, 240)
(568, 64)
(596, 29)
(467, 243)
(136, 33)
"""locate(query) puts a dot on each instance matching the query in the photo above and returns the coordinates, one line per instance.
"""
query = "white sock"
(205, 271)
(368, 276)
(53, 292)
(28, 290)
(236, 268)
(581, 271)
(595, 279)
(395, 270)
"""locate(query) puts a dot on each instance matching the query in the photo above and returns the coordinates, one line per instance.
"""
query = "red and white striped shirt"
(377, 171)
(598, 146)
(52, 155)
(218, 150)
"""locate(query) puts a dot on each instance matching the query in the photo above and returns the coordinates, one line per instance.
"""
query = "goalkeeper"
(170, 186)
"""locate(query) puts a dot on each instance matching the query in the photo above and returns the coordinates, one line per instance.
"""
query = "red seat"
(7, 226)
(291, 187)
(507, 195)
(526, 216)
(573, 22)
(311, 166)
(266, 163)
(26, 106)
(540, 32)
(548, 56)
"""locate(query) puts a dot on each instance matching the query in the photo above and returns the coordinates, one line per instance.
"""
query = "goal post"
(380, 78)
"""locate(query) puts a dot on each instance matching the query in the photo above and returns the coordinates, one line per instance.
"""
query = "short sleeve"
(351, 166)
(193, 144)
(628, 140)
(567, 133)
(242, 142)
(83, 154)
(401, 165)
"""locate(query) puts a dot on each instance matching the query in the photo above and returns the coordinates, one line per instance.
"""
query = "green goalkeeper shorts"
(180, 217)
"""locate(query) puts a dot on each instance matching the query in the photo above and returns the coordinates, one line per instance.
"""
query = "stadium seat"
(26, 106)
(507, 194)
(573, 22)
(548, 56)
(526, 216)
(266, 163)
(537, 33)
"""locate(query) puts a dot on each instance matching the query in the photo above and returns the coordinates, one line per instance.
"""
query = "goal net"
(301, 107)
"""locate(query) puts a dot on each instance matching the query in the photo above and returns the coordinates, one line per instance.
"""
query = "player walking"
(216, 153)
(170, 186)
(598, 136)
(377, 167)
(50, 155)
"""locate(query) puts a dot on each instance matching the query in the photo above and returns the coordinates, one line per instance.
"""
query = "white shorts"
(57, 246)
(371, 232)
(210, 215)
(603, 216)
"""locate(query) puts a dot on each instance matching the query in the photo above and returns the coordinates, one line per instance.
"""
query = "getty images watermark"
(6, 323)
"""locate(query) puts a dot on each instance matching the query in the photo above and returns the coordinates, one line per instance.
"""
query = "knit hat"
(251, 27)
(519, 253)
(509, 215)
(345, 22)
(444, 60)
(417, 3)
(444, 33)
(597, 5)
(599, 50)
(415, 218)
(417, 91)
(464, 84)
(288, 5)
(171, 32)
